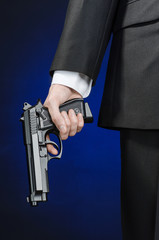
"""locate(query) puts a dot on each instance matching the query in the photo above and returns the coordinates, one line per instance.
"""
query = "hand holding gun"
(37, 124)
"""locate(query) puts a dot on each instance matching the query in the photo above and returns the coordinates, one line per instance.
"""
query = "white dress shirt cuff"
(78, 81)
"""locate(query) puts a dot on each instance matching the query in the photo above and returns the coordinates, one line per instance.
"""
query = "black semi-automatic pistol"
(37, 124)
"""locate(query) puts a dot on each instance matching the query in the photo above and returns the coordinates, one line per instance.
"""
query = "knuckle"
(80, 118)
(74, 121)
(49, 101)
(59, 120)
(67, 120)
(63, 129)
(73, 128)
(68, 124)
(53, 118)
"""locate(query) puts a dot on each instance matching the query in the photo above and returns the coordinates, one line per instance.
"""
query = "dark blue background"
(84, 198)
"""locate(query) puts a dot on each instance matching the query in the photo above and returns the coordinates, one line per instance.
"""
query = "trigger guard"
(53, 143)
(49, 157)
(61, 149)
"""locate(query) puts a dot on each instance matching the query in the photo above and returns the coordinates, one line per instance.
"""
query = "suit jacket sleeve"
(86, 33)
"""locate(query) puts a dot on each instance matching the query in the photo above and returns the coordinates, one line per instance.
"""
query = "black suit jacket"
(131, 87)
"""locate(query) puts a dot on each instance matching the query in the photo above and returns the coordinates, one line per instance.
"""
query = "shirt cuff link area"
(78, 81)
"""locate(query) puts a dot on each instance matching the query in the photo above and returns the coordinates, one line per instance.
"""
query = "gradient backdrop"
(84, 198)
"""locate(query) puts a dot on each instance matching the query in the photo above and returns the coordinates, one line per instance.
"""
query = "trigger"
(53, 143)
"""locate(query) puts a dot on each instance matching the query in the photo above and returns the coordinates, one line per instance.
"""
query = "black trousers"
(139, 184)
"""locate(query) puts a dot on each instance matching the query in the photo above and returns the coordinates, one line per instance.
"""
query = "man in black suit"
(130, 97)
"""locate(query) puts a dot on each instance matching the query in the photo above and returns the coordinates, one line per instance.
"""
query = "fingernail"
(55, 152)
